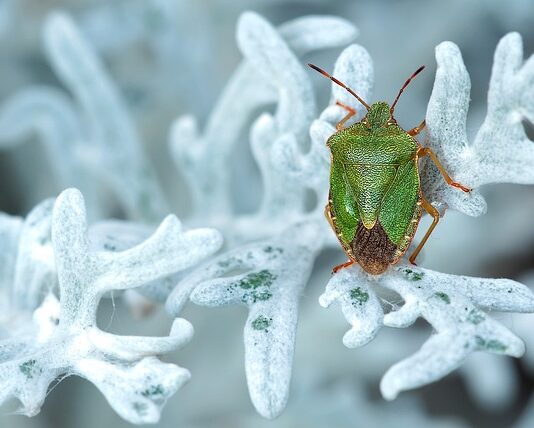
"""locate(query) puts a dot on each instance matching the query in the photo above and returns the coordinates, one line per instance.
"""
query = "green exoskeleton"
(375, 201)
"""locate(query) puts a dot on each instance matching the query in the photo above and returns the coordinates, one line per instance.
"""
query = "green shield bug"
(375, 200)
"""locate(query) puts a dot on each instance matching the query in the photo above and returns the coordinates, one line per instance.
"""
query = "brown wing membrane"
(372, 249)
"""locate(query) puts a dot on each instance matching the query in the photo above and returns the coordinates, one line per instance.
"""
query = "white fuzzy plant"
(454, 305)
(269, 274)
(90, 141)
(281, 241)
(53, 294)
(270, 253)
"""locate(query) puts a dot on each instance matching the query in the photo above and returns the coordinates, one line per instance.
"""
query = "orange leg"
(425, 151)
(435, 215)
(328, 215)
(413, 132)
(343, 266)
(351, 112)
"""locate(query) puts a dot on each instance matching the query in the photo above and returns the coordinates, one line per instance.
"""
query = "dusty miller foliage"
(274, 271)
(90, 140)
(52, 333)
(55, 270)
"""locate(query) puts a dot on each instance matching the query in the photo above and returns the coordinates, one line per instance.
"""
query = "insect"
(375, 200)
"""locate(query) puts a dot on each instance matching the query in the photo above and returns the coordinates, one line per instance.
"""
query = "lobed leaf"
(63, 338)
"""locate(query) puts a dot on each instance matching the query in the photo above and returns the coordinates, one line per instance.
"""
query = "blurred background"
(174, 57)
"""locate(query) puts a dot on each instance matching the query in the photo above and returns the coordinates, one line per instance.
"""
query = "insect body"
(375, 201)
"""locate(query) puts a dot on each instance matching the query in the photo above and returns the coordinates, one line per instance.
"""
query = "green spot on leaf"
(258, 296)
(358, 296)
(495, 345)
(413, 275)
(110, 247)
(253, 280)
(475, 316)
(257, 285)
(268, 249)
(261, 323)
(153, 390)
(27, 368)
(229, 262)
(491, 345)
(140, 408)
(443, 296)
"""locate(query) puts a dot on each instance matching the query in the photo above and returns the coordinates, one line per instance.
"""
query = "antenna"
(404, 87)
(333, 79)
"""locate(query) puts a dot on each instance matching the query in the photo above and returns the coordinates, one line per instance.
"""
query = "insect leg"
(343, 266)
(351, 112)
(435, 215)
(328, 215)
(413, 132)
(425, 151)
